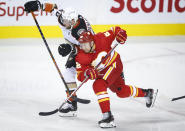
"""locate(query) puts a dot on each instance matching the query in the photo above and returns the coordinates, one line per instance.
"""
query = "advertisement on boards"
(100, 12)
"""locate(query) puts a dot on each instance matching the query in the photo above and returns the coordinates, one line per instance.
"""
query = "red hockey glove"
(91, 73)
(121, 35)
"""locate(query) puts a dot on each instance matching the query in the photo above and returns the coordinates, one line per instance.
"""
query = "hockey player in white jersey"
(72, 25)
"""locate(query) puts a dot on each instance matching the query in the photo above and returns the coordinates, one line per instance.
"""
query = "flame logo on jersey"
(108, 61)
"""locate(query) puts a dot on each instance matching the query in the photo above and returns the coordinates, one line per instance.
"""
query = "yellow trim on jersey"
(107, 73)
(114, 65)
(102, 100)
(91, 75)
(101, 93)
(113, 58)
(131, 90)
(78, 73)
(106, 62)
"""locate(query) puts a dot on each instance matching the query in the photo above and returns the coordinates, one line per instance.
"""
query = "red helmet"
(86, 37)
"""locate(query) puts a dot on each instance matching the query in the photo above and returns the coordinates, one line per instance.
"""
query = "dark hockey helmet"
(86, 37)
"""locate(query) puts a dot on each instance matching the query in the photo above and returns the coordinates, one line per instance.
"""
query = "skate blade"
(69, 114)
(108, 125)
(154, 98)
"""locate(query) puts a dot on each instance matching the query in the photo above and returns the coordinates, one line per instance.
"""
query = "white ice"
(29, 83)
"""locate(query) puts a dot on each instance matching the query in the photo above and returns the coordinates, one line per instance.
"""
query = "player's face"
(86, 47)
(67, 24)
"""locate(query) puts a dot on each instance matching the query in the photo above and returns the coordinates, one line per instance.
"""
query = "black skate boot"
(107, 121)
(69, 108)
(149, 97)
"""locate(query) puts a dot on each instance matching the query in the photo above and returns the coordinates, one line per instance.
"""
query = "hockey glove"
(31, 6)
(91, 73)
(121, 35)
(64, 49)
(71, 61)
(49, 7)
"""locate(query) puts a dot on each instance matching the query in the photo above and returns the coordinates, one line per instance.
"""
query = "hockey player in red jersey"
(109, 74)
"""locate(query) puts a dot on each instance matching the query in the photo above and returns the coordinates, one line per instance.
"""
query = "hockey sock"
(130, 91)
(100, 89)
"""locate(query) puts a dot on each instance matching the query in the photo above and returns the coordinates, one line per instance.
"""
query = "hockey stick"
(84, 101)
(177, 98)
(85, 80)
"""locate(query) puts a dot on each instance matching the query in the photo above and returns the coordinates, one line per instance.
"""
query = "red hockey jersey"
(103, 42)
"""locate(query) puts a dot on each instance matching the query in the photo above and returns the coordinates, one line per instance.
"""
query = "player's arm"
(85, 72)
(32, 6)
(84, 68)
(115, 33)
(69, 46)
(81, 65)
(80, 69)
(74, 48)
(66, 48)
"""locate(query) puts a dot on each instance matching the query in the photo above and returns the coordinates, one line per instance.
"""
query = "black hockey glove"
(64, 49)
(71, 61)
(32, 6)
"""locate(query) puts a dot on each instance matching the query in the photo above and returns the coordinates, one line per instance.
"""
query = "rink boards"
(55, 31)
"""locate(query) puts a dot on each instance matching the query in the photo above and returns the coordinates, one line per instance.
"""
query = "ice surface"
(29, 83)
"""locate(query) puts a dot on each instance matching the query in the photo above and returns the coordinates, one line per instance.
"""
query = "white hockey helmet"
(69, 14)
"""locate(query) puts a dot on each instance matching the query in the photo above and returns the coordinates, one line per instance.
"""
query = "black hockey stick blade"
(83, 101)
(48, 113)
(177, 98)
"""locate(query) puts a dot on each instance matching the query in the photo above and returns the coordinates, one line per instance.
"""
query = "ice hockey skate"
(150, 97)
(69, 109)
(107, 121)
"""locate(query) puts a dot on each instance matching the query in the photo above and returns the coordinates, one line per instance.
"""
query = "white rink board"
(100, 12)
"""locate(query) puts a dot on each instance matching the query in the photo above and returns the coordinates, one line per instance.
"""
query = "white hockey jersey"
(73, 34)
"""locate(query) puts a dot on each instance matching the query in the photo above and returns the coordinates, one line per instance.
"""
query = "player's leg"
(117, 84)
(100, 86)
(100, 89)
(69, 73)
(123, 91)
(71, 106)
